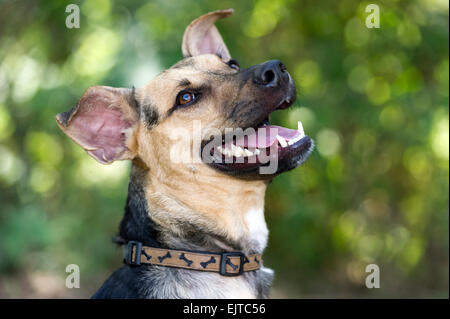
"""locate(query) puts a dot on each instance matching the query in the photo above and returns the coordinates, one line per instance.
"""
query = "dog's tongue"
(265, 136)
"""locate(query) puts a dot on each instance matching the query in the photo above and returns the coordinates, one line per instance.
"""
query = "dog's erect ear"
(202, 36)
(102, 123)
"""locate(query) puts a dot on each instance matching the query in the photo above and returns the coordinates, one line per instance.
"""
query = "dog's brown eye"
(185, 97)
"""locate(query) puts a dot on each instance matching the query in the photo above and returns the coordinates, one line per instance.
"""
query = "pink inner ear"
(211, 43)
(208, 43)
(100, 130)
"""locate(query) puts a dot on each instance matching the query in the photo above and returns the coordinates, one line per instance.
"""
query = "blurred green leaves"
(375, 190)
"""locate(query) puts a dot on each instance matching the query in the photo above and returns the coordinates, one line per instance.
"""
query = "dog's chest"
(229, 288)
(181, 283)
(257, 232)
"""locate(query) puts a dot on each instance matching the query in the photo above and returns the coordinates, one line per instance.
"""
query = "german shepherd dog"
(206, 214)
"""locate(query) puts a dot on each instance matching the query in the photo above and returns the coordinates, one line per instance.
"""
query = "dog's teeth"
(235, 150)
(300, 129)
(225, 151)
(247, 152)
(238, 151)
(222, 150)
(282, 141)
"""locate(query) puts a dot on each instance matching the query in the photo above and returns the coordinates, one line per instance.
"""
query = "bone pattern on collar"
(203, 261)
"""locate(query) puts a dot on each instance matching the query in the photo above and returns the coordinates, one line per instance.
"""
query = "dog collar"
(226, 264)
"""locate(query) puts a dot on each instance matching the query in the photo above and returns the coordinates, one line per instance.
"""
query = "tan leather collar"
(226, 264)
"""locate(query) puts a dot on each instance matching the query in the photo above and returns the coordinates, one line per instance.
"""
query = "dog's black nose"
(271, 74)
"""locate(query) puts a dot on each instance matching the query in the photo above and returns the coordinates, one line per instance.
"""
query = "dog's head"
(203, 107)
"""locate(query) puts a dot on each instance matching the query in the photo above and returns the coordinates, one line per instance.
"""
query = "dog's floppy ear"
(202, 36)
(102, 123)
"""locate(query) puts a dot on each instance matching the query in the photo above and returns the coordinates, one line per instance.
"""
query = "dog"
(192, 229)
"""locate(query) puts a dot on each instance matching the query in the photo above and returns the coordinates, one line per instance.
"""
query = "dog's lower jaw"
(146, 220)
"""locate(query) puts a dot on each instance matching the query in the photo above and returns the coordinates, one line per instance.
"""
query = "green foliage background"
(375, 101)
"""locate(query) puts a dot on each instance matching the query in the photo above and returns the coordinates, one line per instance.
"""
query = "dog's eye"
(233, 64)
(184, 98)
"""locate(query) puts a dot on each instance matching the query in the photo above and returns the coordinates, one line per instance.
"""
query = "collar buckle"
(132, 246)
(225, 260)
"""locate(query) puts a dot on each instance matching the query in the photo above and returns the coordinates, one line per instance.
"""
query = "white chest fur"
(257, 228)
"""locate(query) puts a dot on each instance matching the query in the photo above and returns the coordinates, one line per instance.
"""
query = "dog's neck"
(220, 213)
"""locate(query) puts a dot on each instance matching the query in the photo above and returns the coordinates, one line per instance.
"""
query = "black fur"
(136, 224)
(150, 116)
(64, 117)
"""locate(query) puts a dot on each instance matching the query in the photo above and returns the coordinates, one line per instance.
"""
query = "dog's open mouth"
(261, 146)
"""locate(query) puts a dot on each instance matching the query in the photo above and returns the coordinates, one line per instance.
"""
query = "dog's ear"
(202, 36)
(103, 122)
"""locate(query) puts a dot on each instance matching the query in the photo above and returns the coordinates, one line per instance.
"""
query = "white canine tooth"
(296, 139)
(247, 152)
(282, 141)
(300, 129)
